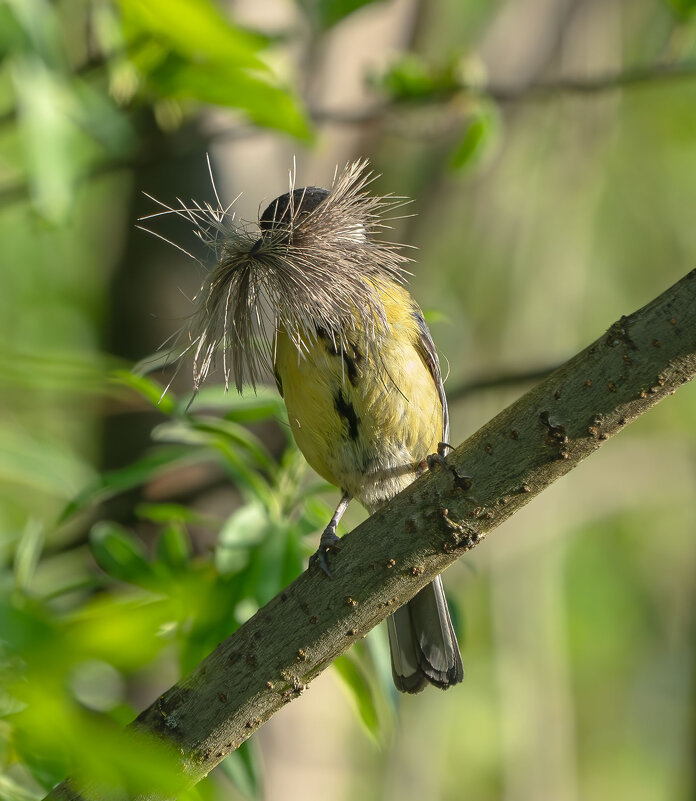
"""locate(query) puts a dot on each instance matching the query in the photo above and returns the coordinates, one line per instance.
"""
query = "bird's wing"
(426, 350)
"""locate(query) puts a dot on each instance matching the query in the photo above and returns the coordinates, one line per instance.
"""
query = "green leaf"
(153, 392)
(119, 553)
(476, 138)
(224, 85)
(243, 768)
(40, 464)
(245, 528)
(41, 25)
(59, 371)
(326, 13)
(25, 625)
(237, 435)
(196, 30)
(251, 406)
(171, 513)
(12, 36)
(413, 78)
(242, 469)
(315, 516)
(133, 475)
(55, 161)
(293, 558)
(683, 8)
(10, 790)
(174, 546)
(360, 691)
(28, 553)
(107, 125)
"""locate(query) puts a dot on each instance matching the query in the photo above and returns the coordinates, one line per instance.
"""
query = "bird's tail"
(423, 644)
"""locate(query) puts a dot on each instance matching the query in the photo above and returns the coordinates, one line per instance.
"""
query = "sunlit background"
(135, 535)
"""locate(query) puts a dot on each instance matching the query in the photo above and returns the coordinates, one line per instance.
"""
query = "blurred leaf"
(133, 475)
(66, 372)
(250, 406)
(684, 8)
(127, 763)
(174, 546)
(153, 392)
(171, 513)
(119, 553)
(12, 36)
(434, 316)
(197, 30)
(28, 553)
(10, 790)
(476, 138)
(294, 557)
(226, 439)
(123, 631)
(97, 114)
(41, 464)
(40, 24)
(240, 436)
(243, 768)
(315, 516)
(51, 142)
(244, 528)
(25, 625)
(326, 13)
(413, 78)
(360, 691)
(224, 85)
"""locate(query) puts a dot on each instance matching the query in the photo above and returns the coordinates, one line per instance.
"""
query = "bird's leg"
(439, 457)
(463, 482)
(329, 539)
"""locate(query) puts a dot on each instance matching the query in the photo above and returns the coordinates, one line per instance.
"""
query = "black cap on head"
(303, 200)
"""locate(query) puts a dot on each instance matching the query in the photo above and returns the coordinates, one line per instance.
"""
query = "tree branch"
(270, 660)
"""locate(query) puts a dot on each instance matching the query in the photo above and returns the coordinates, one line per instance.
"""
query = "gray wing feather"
(426, 349)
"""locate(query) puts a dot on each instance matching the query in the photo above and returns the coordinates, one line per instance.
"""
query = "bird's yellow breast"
(365, 418)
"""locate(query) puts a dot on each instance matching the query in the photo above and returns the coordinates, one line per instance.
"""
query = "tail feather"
(424, 648)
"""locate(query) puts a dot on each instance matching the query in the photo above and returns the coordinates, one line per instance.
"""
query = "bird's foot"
(329, 543)
(439, 458)
(463, 482)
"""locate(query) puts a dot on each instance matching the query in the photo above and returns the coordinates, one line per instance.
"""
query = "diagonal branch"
(270, 660)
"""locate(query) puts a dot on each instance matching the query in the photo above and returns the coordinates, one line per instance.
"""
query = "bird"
(318, 295)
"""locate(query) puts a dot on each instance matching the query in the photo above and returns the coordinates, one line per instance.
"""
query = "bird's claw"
(329, 543)
(439, 457)
(462, 482)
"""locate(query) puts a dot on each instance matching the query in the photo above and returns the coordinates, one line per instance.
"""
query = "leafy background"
(135, 533)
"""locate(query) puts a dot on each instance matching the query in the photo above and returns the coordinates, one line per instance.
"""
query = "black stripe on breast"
(351, 356)
(347, 412)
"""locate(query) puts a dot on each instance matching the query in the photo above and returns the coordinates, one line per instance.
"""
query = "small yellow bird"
(353, 360)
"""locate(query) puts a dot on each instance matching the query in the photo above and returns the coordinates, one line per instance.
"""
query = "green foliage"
(684, 8)
(327, 13)
(187, 51)
(413, 78)
(182, 52)
(243, 768)
(478, 135)
(156, 601)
